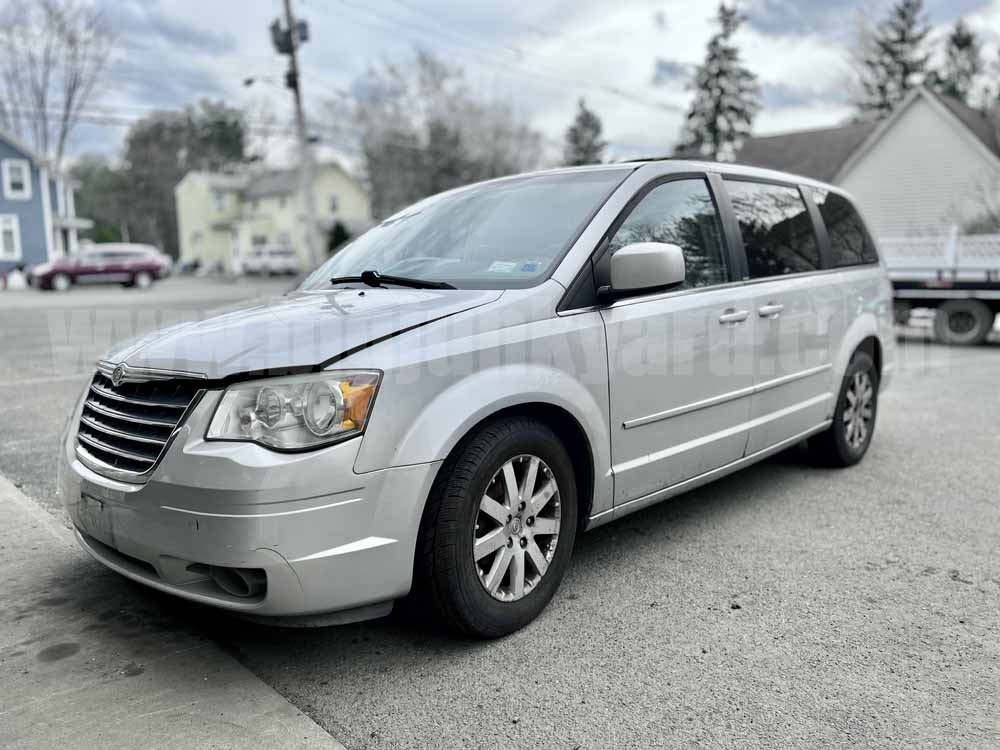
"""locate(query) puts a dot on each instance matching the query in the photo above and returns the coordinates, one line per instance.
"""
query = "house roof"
(975, 120)
(823, 153)
(279, 181)
(814, 153)
(22, 147)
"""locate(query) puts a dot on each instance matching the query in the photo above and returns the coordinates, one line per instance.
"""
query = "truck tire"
(901, 312)
(493, 549)
(963, 322)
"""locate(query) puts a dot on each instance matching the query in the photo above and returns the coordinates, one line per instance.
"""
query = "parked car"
(272, 261)
(120, 263)
(451, 398)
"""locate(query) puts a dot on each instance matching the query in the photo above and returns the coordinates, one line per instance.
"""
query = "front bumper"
(327, 539)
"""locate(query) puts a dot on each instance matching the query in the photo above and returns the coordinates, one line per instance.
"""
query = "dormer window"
(17, 179)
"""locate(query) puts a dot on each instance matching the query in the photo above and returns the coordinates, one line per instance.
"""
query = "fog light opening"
(241, 582)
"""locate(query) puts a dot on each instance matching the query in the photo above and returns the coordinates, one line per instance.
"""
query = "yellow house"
(222, 218)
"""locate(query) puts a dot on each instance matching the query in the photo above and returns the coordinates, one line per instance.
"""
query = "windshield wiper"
(374, 278)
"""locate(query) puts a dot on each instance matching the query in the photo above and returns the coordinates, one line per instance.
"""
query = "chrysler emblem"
(118, 376)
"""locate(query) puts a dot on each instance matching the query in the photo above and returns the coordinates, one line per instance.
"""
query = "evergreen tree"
(583, 138)
(963, 64)
(896, 61)
(726, 97)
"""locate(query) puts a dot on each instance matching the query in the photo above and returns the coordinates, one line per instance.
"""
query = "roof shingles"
(822, 153)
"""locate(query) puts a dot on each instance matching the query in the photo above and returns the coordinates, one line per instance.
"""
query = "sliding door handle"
(734, 316)
(770, 310)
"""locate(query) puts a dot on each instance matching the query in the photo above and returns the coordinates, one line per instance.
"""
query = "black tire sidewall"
(984, 322)
(860, 362)
(486, 615)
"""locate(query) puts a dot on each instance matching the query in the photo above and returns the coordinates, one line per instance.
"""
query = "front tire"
(963, 322)
(142, 280)
(846, 441)
(498, 532)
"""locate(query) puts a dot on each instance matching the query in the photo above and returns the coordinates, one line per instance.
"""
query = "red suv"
(128, 265)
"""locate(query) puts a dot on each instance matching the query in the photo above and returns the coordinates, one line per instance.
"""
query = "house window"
(219, 198)
(10, 237)
(281, 202)
(333, 204)
(17, 179)
(258, 240)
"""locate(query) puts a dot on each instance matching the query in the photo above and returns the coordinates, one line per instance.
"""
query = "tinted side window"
(850, 243)
(682, 213)
(777, 230)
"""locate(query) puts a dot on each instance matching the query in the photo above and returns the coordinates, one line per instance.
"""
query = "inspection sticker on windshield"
(502, 266)
(530, 266)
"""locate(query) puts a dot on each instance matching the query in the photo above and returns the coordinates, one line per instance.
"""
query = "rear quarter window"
(850, 242)
(778, 234)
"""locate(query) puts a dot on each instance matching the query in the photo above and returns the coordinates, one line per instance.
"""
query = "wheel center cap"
(515, 526)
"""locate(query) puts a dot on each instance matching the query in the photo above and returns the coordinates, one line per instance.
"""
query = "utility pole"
(286, 41)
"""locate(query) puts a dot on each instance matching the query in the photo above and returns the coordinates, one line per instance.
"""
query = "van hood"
(301, 331)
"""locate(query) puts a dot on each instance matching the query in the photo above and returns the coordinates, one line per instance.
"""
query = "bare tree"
(420, 129)
(53, 54)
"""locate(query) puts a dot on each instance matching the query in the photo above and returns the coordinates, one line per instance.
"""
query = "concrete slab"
(88, 660)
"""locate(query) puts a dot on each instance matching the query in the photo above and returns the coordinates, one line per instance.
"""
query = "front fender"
(457, 409)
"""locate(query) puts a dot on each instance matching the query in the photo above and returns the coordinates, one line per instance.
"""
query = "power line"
(384, 22)
(547, 33)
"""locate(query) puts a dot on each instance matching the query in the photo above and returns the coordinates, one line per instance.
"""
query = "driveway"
(784, 606)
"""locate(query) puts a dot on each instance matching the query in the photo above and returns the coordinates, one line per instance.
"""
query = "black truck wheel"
(963, 322)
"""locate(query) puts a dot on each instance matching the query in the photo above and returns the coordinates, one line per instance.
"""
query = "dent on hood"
(300, 331)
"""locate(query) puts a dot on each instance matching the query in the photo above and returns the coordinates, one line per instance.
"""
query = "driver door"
(680, 362)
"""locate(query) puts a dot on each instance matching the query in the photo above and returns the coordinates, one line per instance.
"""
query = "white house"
(930, 168)
(38, 220)
(222, 218)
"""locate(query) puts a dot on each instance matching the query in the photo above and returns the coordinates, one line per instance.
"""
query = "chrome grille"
(125, 428)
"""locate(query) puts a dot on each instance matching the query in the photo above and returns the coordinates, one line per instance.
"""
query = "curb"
(90, 659)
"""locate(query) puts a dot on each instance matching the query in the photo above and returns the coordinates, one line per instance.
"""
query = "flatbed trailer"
(956, 276)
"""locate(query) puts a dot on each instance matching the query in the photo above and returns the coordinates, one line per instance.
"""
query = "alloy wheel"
(517, 528)
(859, 409)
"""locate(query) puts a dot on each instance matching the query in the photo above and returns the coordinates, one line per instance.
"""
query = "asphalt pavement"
(783, 606)
(49, 342)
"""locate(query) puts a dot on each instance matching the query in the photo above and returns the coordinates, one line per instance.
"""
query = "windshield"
(507, 234)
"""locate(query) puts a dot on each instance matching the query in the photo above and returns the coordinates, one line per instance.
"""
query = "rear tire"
(846, 441)
(61, 282)
(963, 322)
(475, 506)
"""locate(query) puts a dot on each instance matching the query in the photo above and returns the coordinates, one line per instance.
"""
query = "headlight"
(296, 413)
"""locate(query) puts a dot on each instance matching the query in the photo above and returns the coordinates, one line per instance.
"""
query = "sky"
(629, 59)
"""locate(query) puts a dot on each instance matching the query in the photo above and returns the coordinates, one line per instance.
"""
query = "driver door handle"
(770, 310)
(734, 316)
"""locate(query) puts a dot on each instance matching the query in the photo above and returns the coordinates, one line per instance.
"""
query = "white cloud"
(539, 57)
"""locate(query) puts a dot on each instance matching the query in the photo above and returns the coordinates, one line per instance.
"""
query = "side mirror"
(646, 265)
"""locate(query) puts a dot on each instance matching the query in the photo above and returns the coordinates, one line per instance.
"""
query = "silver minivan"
(450, 399)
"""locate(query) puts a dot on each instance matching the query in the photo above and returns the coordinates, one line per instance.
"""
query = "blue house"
(38, 219)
